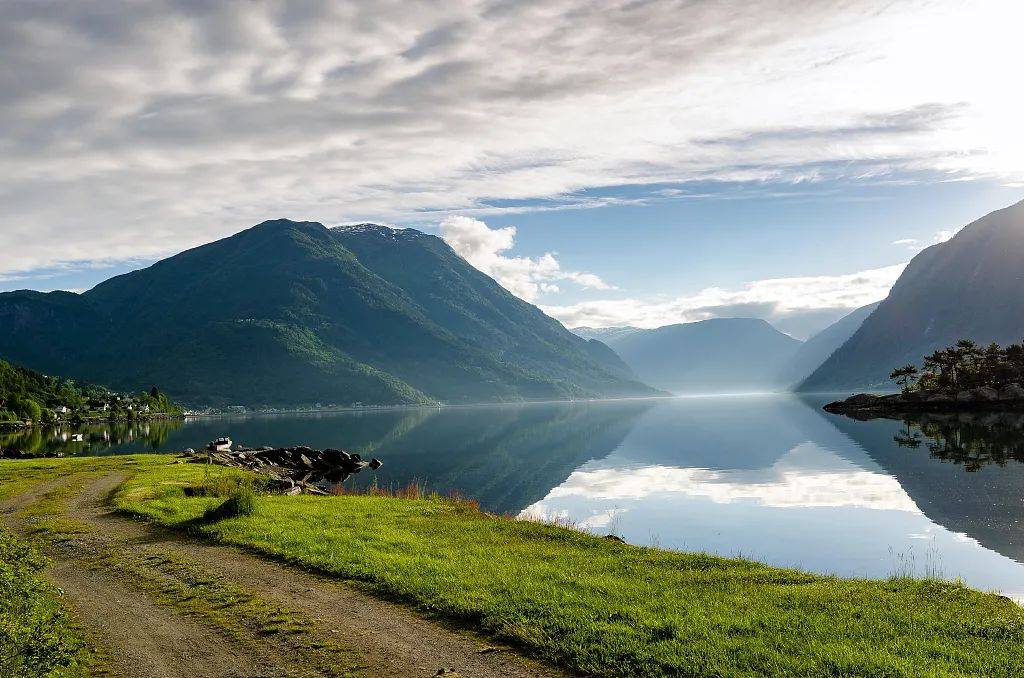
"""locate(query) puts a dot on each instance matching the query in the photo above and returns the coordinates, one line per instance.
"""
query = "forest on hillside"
(33, 397)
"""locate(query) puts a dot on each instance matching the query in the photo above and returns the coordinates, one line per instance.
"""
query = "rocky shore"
(291, 470)
(981, 398)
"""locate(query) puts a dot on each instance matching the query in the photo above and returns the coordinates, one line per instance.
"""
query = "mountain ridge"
(967, 287)
(290, 312)
(718, 355)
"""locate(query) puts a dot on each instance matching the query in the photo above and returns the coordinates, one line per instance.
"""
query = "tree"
(904, 376)
(28, 409)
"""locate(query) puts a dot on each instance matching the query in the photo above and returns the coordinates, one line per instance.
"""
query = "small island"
(964, 376)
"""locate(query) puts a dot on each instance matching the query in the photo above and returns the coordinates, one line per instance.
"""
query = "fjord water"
(773, 478)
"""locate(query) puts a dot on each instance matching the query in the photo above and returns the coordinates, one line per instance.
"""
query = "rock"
(375, 463)
(615, 537)
(964, 397)
(1012, 392)
(861, 399)
(985, 394)
(939, 398)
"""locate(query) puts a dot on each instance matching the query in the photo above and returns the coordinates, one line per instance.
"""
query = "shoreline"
(578, 601)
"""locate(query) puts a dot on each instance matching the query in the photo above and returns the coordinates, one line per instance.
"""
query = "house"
(61, 409)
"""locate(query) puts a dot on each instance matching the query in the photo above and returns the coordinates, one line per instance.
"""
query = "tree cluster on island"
(964, 366)
(27, 396)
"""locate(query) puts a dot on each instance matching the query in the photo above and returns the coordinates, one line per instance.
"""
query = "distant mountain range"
(294, 312)
(816, 350)
(721, 355)
(968, 287)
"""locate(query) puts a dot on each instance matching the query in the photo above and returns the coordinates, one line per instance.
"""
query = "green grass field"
(592, 604)
(36, 636)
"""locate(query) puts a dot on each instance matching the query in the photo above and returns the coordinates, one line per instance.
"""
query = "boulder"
(939, 398)
(964, 397)
(985, 394)
(1012, 392)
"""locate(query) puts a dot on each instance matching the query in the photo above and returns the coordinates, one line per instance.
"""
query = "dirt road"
(162, 605)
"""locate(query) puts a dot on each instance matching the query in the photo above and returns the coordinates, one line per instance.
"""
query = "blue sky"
(613, 162)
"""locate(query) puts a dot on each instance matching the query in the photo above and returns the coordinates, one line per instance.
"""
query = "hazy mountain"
(722, 355)
(967, 287)
(816, 350)
(293, 312)
(604, 334)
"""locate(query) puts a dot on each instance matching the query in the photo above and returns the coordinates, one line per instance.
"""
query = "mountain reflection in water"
(769, 477)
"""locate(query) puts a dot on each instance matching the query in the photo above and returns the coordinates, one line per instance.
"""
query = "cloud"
(483, 247)
(772, 299)
(138, 129)
(915, 245)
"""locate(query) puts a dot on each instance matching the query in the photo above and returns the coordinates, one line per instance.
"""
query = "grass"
(37, 637)
(588, 603)
(605, 608)
(170, 580)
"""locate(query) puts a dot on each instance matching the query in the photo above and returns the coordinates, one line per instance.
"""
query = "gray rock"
(1012, 392)
(861, 399)
(939, 398)
(964, 397)
(985, 394)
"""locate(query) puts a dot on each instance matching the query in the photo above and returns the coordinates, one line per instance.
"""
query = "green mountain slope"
(967, 287)
(293, 312)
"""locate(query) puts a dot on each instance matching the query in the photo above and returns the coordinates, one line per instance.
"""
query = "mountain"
(816, 350)
(721, 355)
(967, 287)
(293, 312)
(605, 334)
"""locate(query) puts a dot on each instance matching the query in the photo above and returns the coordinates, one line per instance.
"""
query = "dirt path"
(165, 605)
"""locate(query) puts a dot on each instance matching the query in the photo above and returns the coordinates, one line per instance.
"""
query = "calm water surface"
(772, 478)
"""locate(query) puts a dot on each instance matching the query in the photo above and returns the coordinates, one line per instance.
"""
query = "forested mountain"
(293, 312)
(721, 355)
(966, 288)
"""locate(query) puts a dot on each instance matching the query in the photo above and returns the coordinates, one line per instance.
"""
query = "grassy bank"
(36, 637)
(592, 604)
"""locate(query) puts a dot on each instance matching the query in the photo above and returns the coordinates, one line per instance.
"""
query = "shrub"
(36, 637)
(241, 501)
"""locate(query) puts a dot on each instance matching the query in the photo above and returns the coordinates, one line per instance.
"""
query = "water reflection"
(773, 478)
(92, 439)
(963, 471)
(969, 439)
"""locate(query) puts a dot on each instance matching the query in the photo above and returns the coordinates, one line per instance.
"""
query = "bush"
(240, 502)
(36, 637)
(27, 408)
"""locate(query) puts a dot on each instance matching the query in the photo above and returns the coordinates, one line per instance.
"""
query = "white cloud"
(771, 299)
(138, 129)
(915, 245)
(484, 248)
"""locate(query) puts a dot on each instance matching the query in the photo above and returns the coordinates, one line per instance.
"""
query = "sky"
(634, 162)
